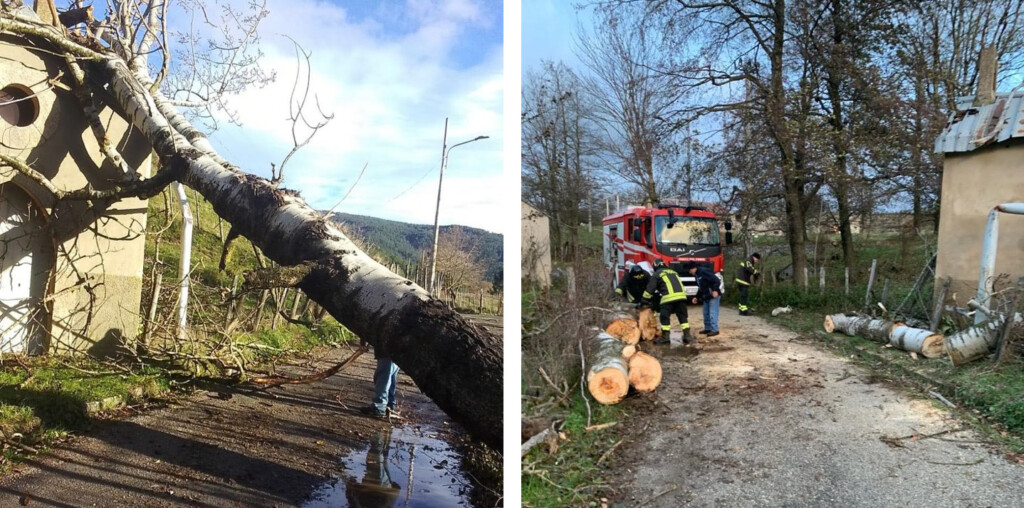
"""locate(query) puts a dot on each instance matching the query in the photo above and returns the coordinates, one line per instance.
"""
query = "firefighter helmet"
(659, 264)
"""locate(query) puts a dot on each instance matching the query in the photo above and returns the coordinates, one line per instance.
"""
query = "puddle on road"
(400, 467)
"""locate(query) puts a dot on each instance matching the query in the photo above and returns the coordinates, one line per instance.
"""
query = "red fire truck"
(673, 233)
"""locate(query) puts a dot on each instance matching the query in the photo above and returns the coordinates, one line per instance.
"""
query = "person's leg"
(707, 317)
(712, 312)
(684, 320)
(392, 386)
(665, 316)
(744, 299)
(381, 384)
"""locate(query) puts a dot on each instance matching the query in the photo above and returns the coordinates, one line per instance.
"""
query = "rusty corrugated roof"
(971, 127)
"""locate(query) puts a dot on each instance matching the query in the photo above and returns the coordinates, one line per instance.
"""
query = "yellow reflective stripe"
(741, 281)
(669, 298)
(666, 328)
(648, 295)
(618, 290)
(685, 325)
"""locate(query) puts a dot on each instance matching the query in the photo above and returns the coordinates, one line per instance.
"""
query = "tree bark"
(607, 372)
(455, 363)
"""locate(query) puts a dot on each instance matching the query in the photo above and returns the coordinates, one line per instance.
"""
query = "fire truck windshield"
(687, 230)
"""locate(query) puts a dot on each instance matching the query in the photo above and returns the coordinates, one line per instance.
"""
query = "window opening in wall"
(18, 105)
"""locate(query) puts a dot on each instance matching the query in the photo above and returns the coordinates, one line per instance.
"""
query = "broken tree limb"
(272, 381)
(644, 372)
(607, 372)
(536, 440)
(917, 340)
(625, 329)
(975, 342)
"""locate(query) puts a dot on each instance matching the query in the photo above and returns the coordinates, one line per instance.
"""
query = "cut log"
(628, 351)
(975, 342)
(876, 330)
(650, 329)
(607, 372)
(644, 372)
(916, 340)
(625, 329)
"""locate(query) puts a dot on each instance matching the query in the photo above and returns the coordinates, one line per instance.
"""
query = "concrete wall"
(536, 247)
(96, 283)
(972, 184)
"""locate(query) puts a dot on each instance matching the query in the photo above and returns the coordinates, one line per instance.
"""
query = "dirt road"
(761, 417)
(299, 445)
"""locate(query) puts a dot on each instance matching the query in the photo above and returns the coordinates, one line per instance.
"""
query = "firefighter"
(633, 283)
(745, 276)
(666, 283)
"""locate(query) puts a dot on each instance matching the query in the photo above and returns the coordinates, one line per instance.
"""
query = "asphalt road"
(243, 447)
(761, 417)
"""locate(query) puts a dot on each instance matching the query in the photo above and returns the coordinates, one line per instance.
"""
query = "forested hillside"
(406, 243)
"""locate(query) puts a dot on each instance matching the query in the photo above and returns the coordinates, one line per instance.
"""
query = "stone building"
(70, 271)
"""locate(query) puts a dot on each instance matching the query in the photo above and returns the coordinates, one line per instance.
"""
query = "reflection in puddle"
(401, 467)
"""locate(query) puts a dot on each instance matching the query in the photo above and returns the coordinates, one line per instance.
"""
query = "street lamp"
(445, 150)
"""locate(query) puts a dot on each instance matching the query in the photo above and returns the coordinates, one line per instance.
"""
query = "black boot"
(663, 339)
(687, 337)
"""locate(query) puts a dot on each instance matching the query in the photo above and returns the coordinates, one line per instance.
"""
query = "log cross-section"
(607, 371)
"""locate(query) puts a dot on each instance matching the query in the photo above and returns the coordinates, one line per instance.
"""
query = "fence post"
(847, 284)
(821, 280)
(806, 282)
(871, 282)
(571, 283)
(933, 324)
(885, 291)
(232, 304)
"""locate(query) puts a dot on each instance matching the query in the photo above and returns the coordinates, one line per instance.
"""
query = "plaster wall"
(972, 184)
(96, 282)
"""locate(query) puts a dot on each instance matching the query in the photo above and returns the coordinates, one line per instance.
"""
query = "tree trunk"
(457, 364)
(607, 373)
(644, 372)
(924, 342)
(975, 342)
(877, 330)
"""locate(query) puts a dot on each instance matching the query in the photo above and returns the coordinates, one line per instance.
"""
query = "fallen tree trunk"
(644, 372)
(924, 342)
(624, 329)
(455, 363)
(607, 372)
(975, 342)
(876, 330)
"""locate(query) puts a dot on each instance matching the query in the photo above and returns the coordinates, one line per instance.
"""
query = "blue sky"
(390, 72)
(549, 27)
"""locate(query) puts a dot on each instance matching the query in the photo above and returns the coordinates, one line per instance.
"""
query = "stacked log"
(877, 330)
(615, 362)
(917, 340)
(899, 335)
(644, 372)
(650, 327)
(625, 329)
(607, 371)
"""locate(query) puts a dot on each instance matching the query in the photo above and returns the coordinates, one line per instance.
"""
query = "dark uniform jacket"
(747, 273)
(633, 284)
(707, 282)
(666, 283)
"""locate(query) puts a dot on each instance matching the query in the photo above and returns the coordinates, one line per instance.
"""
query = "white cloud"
(389, 90)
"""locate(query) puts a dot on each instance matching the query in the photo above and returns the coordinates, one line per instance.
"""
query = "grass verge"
(572, 474)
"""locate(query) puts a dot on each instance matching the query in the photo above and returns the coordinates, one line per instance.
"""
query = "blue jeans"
(711, 314)
(385, 377)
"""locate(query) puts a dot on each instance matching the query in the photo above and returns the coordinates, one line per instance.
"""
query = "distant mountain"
(404, 243)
